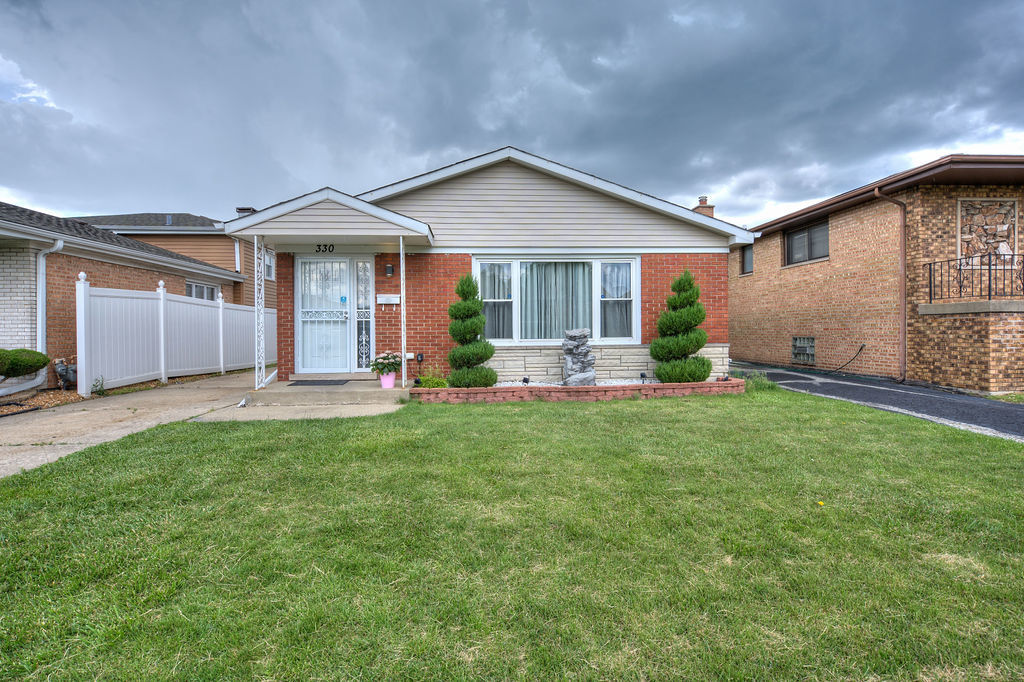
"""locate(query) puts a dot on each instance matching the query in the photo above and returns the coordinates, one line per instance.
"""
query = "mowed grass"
(657, 539)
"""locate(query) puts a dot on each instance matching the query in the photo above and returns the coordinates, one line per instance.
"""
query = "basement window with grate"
(803, 350)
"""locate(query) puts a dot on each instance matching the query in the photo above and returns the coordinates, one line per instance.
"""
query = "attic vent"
(803, 350)
(170, 220)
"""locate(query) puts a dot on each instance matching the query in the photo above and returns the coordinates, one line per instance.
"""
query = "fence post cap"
(220, 296)
(81, 276)
(160, 284)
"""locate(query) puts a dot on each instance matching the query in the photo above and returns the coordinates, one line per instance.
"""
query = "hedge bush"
(678, 336)
(18, 362)
(467, 324)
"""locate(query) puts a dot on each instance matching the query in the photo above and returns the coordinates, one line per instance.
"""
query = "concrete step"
(339, 376)
(352, 393)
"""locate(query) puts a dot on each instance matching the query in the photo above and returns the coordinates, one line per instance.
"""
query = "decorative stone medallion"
(987, 226)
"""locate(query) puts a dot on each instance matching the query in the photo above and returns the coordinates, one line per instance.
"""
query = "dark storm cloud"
(199, 106)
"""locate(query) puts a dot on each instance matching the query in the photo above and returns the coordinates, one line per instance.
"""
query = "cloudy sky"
(111, 106)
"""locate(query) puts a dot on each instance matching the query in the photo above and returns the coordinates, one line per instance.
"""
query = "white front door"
(333, 312)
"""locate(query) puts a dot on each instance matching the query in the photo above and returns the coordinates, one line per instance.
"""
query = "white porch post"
(259, 255)
(401, 268)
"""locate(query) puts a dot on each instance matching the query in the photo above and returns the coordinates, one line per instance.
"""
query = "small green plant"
(467, 325)
(98, 388)
(432, 377)
(387, 362)
(756, 380)
(19, 362)
(679, 337)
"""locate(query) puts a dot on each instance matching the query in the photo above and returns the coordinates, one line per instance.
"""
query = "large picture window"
(533, 300)
(810, 243)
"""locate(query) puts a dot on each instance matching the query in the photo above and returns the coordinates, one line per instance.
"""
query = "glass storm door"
(324, 305)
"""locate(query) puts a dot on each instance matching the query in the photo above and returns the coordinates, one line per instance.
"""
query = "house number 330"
(325, 248)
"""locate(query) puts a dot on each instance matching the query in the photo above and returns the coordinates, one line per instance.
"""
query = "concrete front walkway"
(34, 438)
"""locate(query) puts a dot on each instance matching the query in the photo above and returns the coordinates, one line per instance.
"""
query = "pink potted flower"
(386, 364)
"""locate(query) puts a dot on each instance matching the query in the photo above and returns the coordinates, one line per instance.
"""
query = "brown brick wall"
(983, 351)
(710, 271)
(846, 300)
(430, 280)
(62, 273)
(285, 315)
(430, 289)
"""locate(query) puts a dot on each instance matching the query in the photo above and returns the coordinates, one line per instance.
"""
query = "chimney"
(703, 207)
(244, 211)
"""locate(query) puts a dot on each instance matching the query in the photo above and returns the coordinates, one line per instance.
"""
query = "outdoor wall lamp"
(389, 270)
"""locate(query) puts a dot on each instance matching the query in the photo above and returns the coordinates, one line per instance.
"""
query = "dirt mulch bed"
(43, 399)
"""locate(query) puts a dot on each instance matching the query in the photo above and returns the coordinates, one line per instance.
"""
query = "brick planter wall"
(510, 394)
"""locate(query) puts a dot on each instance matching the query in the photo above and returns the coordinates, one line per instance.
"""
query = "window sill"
(555, 343)
(805, 262)
(746, 274)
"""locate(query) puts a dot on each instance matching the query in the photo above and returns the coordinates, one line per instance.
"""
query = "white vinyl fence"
(125, 337)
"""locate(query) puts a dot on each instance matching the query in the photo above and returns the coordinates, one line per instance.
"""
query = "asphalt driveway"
(972, 413)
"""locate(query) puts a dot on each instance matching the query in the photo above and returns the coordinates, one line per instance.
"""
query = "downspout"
(903, 281)
(40, 320)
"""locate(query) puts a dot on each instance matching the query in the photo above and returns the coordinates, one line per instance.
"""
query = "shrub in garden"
(467, 325)
(18, 362)
(678, 336)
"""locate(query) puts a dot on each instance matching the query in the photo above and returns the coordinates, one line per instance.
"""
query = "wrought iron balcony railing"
(986, 276)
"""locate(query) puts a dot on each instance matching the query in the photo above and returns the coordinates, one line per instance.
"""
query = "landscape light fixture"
(526, 381)
(643, 377)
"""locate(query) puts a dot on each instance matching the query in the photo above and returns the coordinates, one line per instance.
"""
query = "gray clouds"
(201, 106)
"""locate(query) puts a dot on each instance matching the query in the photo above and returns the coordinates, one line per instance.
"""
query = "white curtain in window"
(554, 297)
(496, 291)
(616, 315)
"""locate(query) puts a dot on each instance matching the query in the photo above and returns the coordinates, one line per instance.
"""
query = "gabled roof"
(165, 220)
(329, 194)
(982, 169)
(736, 234)
(84, 233)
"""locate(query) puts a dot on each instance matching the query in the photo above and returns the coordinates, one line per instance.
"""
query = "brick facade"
(430, 289)
(285, 315)
(981, 351)
(850, 298)
(62, 272)
(853, 298)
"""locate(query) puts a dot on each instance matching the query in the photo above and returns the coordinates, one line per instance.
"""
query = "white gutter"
(126, 253)
(40, 320)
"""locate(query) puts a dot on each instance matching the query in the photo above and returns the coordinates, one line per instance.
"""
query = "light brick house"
(40, 258)
(917, 276)
(552, 247)
(201, 238)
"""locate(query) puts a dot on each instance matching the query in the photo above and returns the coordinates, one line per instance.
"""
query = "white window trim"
(271, 259)
(595, 271)
(193, 283)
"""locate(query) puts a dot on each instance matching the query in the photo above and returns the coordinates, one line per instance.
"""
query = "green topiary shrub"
(19, 362)
(679, 338)
(472, 377)
(466, 327)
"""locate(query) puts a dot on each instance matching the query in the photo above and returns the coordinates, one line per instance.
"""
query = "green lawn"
(659, 539)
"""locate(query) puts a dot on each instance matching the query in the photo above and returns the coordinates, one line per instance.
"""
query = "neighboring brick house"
(917, 276)
(201, 238)
(40, 258)
(553, 248)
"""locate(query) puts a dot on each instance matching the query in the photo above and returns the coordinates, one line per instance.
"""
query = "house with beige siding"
(918, 276)
(198, 237)
(553, 248)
